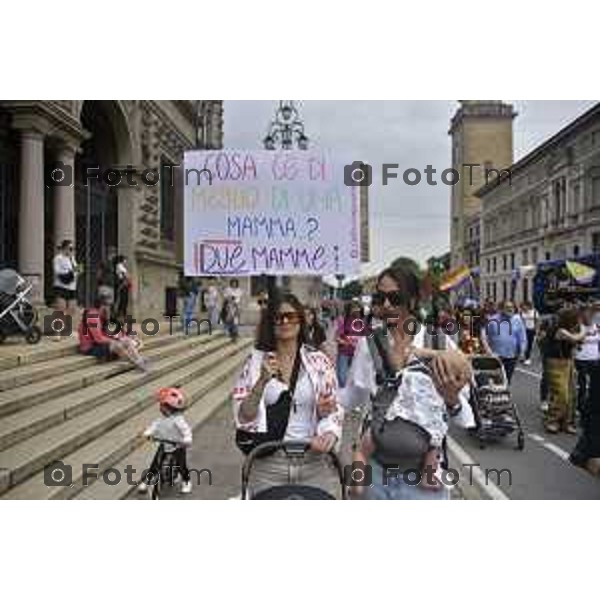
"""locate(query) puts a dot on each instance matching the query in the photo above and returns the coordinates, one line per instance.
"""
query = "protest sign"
(264, 212)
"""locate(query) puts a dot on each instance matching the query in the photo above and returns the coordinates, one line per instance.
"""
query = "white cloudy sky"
(411, 221)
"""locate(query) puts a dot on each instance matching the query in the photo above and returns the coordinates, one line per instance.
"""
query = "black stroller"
(17, 315)
(495, 412)
(295, 453)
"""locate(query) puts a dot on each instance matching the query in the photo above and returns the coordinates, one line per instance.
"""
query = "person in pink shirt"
(353, 320)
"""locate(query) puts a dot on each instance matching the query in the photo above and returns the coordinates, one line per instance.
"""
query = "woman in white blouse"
(315, 413)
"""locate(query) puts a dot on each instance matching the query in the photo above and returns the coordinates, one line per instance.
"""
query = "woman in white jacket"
(315, 413)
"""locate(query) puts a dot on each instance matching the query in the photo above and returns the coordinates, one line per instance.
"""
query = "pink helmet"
(172, 397)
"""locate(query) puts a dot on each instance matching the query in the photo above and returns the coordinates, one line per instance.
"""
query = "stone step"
(116, 443)
(25, 374)
(139, 459)
(23, 460)
(27, 422)
(31, 394)
(15, 355)
(20, 354)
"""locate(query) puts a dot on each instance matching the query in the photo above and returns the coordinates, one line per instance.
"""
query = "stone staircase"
(56, 405)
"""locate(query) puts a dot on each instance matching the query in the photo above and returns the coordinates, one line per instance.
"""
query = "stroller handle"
(293, 449)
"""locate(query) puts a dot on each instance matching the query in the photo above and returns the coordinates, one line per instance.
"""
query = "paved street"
(541, 470)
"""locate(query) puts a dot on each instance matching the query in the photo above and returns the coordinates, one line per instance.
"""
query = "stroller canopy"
(9, 281)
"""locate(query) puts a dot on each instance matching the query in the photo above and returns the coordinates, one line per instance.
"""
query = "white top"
(361, 384)
(61, 266)
(530, 318)
(172, 428)
(302, 422)
(235, 293)
(121, 270)
(589, 348)
(211, 297)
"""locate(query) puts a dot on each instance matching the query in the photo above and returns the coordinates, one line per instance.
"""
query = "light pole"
(286, 129)
(286, 132)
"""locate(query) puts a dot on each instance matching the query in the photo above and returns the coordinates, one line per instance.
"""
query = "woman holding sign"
(284, 370)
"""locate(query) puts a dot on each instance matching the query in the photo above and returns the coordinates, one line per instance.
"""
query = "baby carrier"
(397, 442)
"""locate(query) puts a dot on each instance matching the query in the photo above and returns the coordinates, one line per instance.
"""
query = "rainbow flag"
(455, 278)
(581, 273)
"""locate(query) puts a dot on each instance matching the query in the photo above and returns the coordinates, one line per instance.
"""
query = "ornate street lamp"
(286, 129)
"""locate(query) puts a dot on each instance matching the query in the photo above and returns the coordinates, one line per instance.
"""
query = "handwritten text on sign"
(251, 212)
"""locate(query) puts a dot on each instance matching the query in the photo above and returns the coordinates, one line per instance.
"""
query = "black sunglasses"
(293, 318)
(395, 298)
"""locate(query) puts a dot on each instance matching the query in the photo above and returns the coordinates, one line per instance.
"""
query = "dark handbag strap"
(295, 373)
(379, 353)
(284, 402)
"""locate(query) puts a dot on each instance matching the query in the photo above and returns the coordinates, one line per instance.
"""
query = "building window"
(494, 264)
(576, 250)
(504, 262)
(576, 200)
(512, 260)
(525, 257)
(596, 242)
(525, 290)
(488, 288)
(504, 290)
(494, 290)
(487, 267)
(596, 191)
(534, 255)
(167, 200)
(548, 256)
(559, 197)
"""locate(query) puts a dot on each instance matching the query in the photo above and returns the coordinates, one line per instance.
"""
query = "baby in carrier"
(418, 401)
(174, 434)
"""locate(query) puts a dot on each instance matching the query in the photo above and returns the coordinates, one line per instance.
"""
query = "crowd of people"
(339, 370)
(310, 364)
(290, 389)
(567, 343)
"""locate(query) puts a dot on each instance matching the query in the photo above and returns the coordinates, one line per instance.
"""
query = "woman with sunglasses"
(395, 303)
(283, 363)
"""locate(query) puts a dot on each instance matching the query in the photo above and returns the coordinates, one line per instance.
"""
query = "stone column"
(31, 212)
(64, 198)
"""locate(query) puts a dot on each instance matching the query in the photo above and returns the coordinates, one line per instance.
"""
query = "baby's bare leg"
(430, 466)
(361, 454)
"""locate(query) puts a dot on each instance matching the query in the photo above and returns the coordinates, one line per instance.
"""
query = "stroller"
(495, 412)
(294, 451)
(17, 315)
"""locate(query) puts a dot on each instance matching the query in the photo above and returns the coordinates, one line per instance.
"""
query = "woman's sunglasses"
(262, 302)
(395, 298)
(293, 318)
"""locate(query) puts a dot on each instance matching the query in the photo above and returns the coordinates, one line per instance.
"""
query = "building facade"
(549, 210)
(119, 138)
(481, 134)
